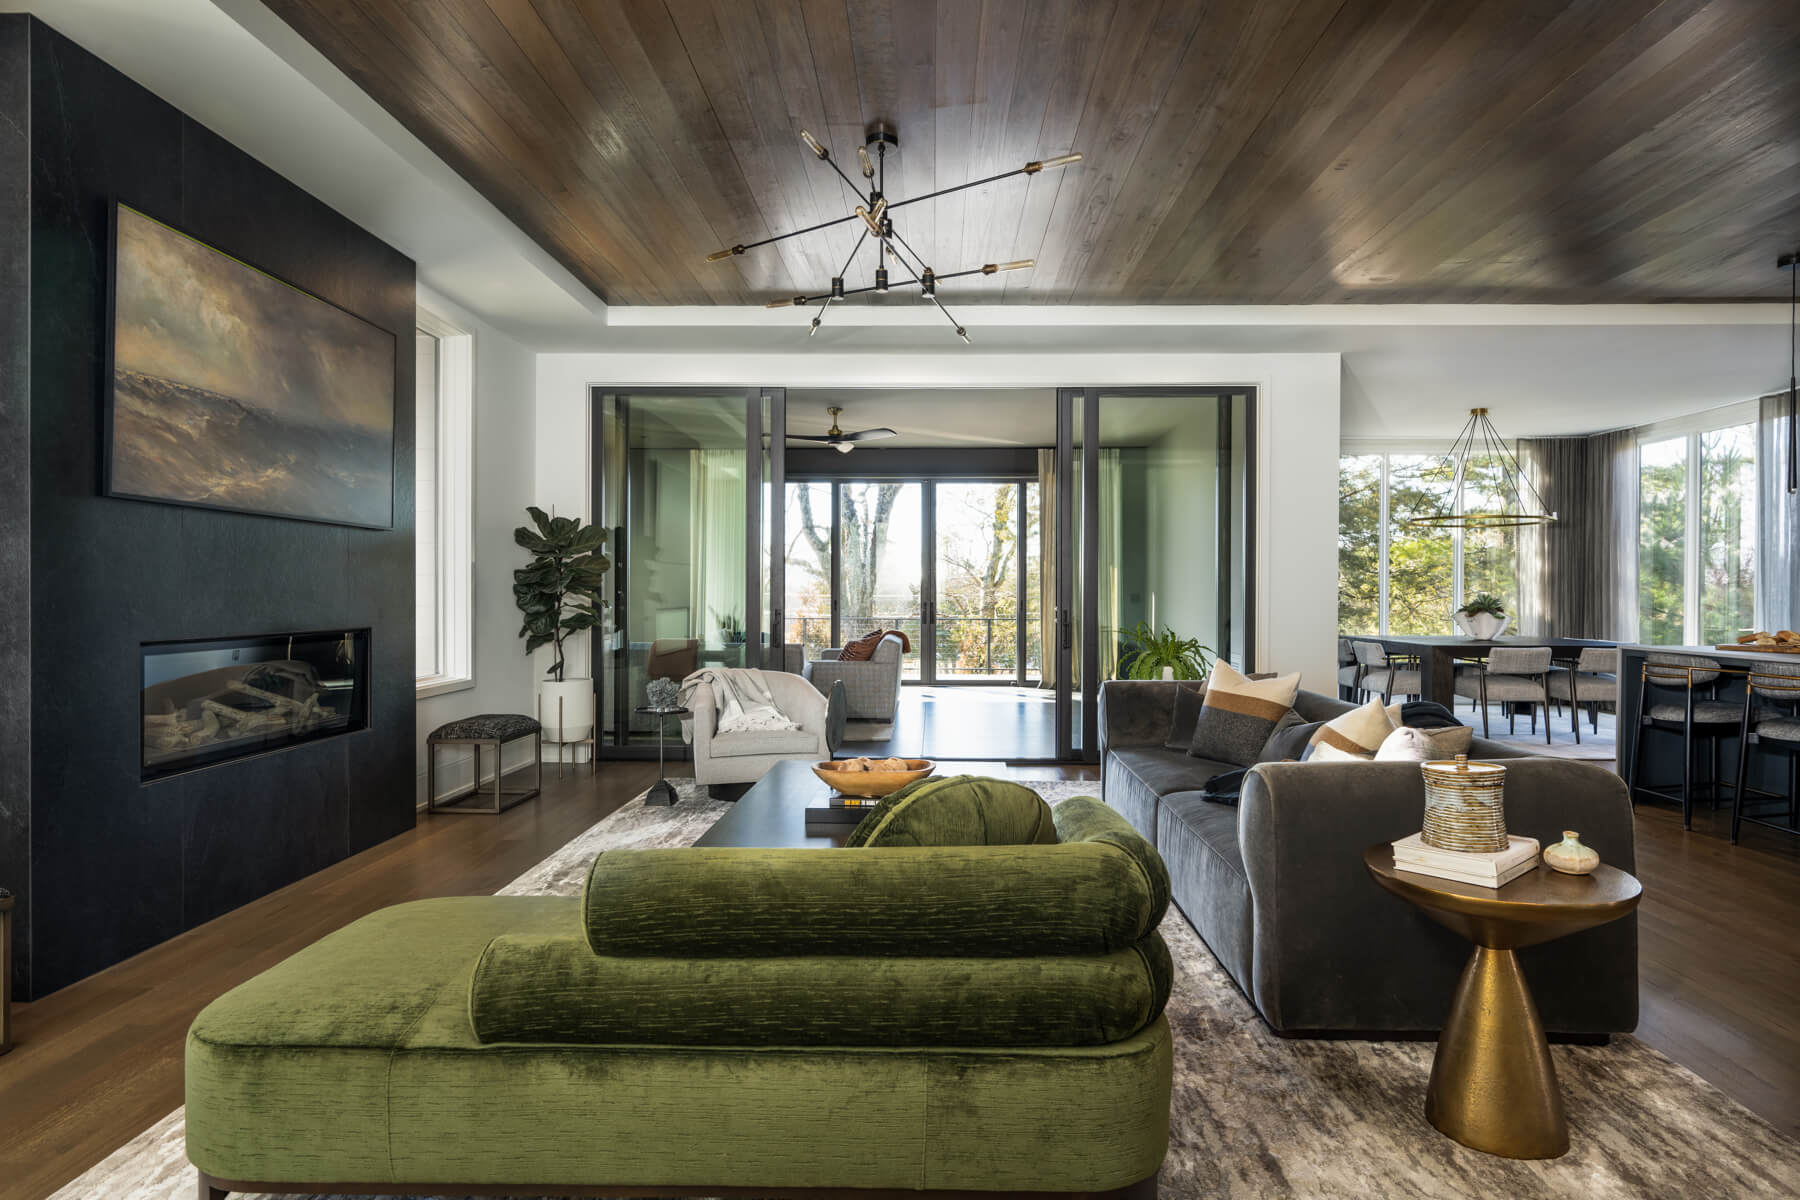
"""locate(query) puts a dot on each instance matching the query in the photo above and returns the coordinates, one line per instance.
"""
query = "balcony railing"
(967, 647)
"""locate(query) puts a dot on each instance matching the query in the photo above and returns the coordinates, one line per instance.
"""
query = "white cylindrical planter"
(576, 714)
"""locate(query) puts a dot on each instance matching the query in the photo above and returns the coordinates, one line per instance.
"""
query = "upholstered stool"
(488, 729)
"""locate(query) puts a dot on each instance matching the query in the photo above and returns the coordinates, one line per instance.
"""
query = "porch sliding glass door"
(682, 482)
(1152, 525)
(953, 564)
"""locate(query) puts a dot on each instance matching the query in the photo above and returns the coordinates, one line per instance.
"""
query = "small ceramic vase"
(1571, 857)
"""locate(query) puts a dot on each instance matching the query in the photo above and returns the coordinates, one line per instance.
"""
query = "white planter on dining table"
(1482, 626)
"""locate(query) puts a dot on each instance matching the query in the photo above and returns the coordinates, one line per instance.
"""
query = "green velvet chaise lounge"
(892, 1019)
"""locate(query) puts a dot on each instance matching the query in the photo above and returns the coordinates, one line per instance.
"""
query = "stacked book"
(1488, 870)
(844, 811)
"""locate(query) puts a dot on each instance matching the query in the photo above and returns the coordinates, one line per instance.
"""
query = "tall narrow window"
(1400, 578)
(1697, 535)
(443, 648)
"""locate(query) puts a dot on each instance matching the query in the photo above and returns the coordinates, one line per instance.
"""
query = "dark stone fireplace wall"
(106, 866)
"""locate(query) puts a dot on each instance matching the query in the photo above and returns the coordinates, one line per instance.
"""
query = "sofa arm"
(1333, 951)
(1136, 712)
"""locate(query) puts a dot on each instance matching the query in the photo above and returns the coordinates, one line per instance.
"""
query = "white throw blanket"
(740, 696)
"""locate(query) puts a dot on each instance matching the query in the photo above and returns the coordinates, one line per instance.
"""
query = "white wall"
(503, 420)
(1297, 440)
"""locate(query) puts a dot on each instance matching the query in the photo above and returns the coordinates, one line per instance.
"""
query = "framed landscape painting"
(233, 390)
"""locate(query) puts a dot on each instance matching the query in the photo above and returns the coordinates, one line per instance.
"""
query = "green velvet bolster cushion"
(958, 810)
(1103, 891)
(554, 989)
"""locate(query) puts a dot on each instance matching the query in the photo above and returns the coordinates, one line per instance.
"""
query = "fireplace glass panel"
(207, 702)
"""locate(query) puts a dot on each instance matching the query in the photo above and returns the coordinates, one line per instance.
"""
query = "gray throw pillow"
(1290, 739)
(1188, 699)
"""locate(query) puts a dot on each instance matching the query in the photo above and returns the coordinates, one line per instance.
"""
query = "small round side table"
(662, 792)
(1493, 1087)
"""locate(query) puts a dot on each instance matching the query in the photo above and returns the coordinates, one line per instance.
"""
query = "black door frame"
(765, 429)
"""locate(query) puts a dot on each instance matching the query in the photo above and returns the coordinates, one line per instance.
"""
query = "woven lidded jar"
(1464, 805)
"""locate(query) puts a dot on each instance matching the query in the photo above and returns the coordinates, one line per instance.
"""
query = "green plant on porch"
(1483, 602)
(1145, 652)
(559, 592)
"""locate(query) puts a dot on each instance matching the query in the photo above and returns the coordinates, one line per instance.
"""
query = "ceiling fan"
(840, 441)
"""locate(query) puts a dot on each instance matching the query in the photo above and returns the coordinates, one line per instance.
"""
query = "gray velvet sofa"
(1277, 889)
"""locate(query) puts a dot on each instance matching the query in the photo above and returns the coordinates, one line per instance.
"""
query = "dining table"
(1439, 654)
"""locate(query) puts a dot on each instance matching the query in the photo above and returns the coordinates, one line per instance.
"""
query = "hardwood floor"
(101, 1060)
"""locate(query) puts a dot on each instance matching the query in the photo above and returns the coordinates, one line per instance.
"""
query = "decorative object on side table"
(6, 907)
(662, 694)
(559, 594)
(662, 792)
(1465, 806)
(1571, 857)
(1483, 618)
(1493, 1087)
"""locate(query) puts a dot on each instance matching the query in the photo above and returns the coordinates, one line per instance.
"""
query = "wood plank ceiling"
(1285, 151)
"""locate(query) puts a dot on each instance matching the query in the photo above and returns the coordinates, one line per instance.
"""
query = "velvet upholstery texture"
(957, 810)
(1277, 887)
(355, 1060)
(1100, 889)
(539, 988)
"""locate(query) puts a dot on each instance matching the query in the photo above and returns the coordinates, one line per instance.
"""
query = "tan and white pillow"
(1355, 734)
(1408, 744)
(1239, 714)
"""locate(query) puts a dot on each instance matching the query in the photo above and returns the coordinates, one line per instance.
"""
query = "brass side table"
(1493, 1087)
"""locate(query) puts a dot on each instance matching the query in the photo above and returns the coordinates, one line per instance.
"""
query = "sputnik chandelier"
(876, 214)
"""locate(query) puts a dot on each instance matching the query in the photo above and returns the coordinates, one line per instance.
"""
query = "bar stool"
(1388, 673)
(1774, 729)
(1591, 679)
(1695, 719)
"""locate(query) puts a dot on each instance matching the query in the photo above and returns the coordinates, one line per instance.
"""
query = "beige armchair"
(747, 757)
(871, 686)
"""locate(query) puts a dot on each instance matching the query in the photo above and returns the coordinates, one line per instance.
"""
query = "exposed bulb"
(1062, 160)
(964, 335)
(1018, 264)
(812, 143)
(815, 327)
(868, 166)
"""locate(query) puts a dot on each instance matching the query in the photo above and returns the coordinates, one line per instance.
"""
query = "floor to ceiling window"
(1697, 534)
(1400, 578)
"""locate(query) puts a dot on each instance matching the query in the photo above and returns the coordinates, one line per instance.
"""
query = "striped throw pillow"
(1239, 715)
(1355, 734)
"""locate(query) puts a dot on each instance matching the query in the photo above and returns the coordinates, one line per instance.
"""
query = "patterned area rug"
(1256, 1117)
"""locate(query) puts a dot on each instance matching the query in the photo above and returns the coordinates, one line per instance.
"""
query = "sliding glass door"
(953, 564)
(682, 482)
(1153, 532)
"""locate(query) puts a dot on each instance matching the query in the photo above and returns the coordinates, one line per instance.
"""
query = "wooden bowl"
(873, 783)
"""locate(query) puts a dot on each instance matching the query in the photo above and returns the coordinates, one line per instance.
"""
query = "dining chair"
(1389, 674)
(1515, 675)
(1688, 685)
(1591, 678)
(1771, 724)
(1349, 671)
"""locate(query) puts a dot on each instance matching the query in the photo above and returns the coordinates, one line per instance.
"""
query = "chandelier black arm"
(781, 237)
(1024, 170)
(954, 323)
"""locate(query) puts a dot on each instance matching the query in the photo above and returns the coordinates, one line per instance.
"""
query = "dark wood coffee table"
(773, 812)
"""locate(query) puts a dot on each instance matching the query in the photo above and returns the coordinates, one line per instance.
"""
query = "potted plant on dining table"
(1483, 618)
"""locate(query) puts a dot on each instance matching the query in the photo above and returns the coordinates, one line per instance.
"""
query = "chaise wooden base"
(219, 1189)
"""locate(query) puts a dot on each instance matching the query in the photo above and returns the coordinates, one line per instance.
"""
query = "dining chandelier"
(1508, 501)
(876, 213)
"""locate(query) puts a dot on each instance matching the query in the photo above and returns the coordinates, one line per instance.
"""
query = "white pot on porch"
(576, 716)
(1482, 626)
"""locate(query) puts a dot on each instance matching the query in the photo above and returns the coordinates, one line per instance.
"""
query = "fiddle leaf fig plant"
(559, 592)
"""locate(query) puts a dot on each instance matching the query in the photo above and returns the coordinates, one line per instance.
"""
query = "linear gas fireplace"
(210, 701)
